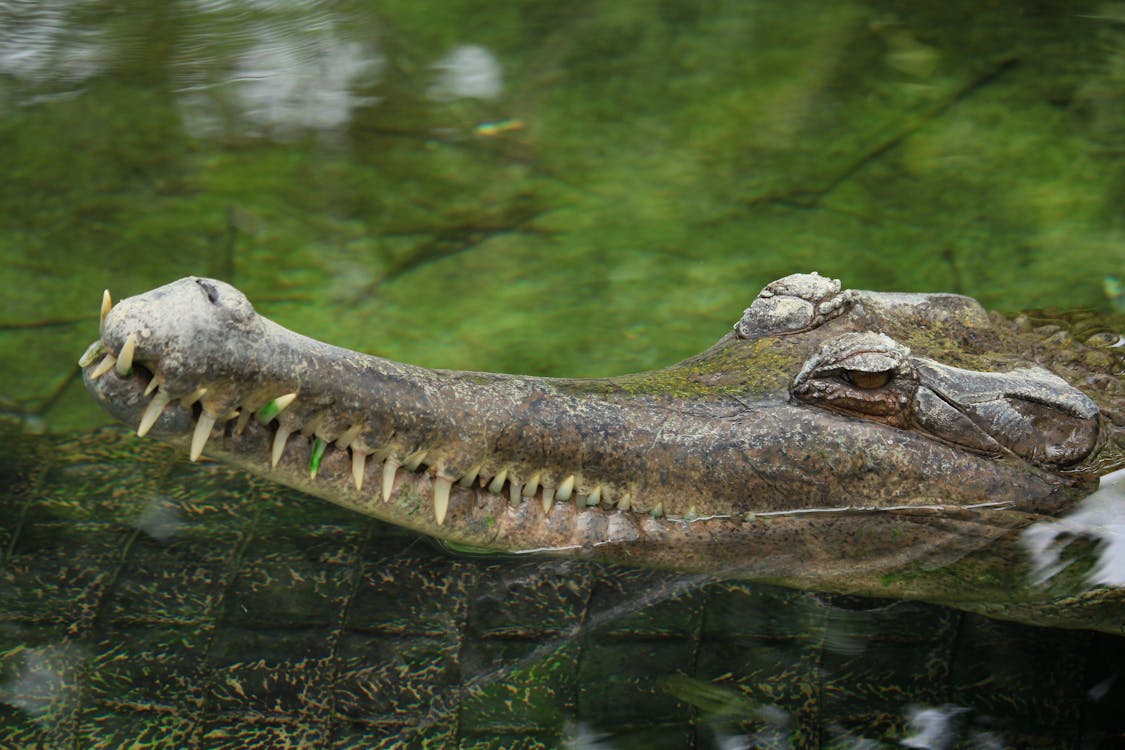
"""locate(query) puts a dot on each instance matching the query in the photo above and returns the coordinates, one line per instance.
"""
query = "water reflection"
(278, 76)
(468, 72)
(40, 44)
(41, 678)
(1098, 517)
(257, 69)
(934, 727)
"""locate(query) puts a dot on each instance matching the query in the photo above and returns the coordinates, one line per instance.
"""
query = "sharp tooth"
(153, 384)
(107, 303)
(657, 511)
(441, 498)
(470, 476)
(202, 432)
(359, 464)
(562, 494)
(348, 435)
(531, 486)
(497, 482)
(415, 459)
(124, 364)
(194, 396)
(594, 497)
(243, 420)
(152, 412)
(275, 407)
(312, 426)
(514, 494)
(279, 439)
(103, 367)
(625, 502)
(316, 456)
(389, 469)
(93, 351)
(548, 498)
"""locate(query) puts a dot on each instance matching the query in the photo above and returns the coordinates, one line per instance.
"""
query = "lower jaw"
(476, 517)
(788, 549)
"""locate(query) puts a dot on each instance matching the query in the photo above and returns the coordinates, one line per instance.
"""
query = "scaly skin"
(880, 444)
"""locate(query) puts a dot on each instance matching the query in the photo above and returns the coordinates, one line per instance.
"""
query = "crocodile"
(866, 443)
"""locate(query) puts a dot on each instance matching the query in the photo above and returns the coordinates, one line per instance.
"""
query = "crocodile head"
(832, 436)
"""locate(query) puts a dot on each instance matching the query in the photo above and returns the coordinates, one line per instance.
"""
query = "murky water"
(576, 189)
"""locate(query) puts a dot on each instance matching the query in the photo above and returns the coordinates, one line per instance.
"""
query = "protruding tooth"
(202, 432)
(194, 396)
(153, 384)
(532, 486)
(152, 412)
(548, 498)
(514, 494)
(562, 494)
(348, 435)
(415, 459)
(107, 304)
(390, 466)
(441, 498)
(279, 439)
(103, 367)
(595, 497)
(316, 455)
(470, 476)
(311, 427)
(497, 482)
(625, 502)
(93, 351)
(275, 407)
(359, 465)
(124, 364)
(657, 511)
(243, 420)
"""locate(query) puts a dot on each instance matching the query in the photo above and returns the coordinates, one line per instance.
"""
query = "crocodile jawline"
(806, 447)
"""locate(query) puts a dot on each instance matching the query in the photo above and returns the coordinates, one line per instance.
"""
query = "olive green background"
(657, 163)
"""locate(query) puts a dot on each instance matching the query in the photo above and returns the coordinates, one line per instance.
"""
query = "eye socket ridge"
(863, 374)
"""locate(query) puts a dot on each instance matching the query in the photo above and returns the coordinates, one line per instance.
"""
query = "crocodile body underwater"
(870, 443)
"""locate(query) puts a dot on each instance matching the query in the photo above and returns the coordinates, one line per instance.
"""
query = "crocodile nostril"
(210, 290)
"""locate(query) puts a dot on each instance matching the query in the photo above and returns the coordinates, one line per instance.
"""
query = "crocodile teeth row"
(442, 486)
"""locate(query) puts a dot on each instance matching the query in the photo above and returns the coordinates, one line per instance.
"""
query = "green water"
(654, 166)
(581, 188)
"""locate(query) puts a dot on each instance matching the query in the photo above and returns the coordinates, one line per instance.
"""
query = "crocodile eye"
(862, 374)
(868, 381)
